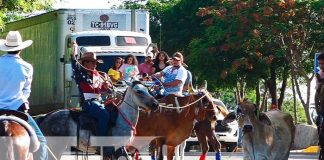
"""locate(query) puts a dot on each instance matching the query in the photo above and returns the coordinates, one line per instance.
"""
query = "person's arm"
(74, 53)
(153, 70)
(105, 85)
(180, 78)
(158, 75)
(27, 86)
(173, 83)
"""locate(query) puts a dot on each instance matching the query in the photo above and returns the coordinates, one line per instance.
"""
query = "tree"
(12, 10)
(250, 41)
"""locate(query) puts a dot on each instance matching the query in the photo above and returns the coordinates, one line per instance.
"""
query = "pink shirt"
(145, 68)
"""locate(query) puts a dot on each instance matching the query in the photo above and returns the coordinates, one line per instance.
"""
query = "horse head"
(206, 109)
(140, 96)
(205, 106)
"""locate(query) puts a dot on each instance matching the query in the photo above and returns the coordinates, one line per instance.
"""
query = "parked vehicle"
(227, 135)
(52, 33)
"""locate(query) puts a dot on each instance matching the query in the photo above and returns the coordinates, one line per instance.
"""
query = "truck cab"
(107, 44)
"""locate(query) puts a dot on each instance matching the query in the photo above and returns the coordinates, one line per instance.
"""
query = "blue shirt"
(15, 81)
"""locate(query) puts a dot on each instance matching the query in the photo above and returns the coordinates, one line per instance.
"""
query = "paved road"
(195, 156)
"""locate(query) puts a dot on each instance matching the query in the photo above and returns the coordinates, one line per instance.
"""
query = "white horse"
(61, 123)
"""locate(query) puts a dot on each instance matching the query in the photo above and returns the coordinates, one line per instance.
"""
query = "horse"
(175, 126)
(61, 123)
(18, 139)
(319, 105)
(205, 132)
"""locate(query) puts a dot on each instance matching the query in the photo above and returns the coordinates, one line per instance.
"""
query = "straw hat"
(13, 42)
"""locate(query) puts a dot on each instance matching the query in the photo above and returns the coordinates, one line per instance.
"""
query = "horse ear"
(204, 85)
(229, 118)
(129, 83)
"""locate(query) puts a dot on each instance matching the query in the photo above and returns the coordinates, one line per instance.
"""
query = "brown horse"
(17, 138)
(205, 131)
(174, 125)
(319, 104)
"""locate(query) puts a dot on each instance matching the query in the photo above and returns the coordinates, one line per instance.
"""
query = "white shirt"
(15, 81)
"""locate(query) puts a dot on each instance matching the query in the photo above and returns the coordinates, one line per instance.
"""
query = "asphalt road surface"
(195, 156)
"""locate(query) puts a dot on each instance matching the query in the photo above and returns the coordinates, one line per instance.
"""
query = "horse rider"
(15, 83)
(91, 84)
(174, 75)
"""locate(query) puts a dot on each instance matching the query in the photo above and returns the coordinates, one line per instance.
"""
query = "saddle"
(87, 121)
(21, 115)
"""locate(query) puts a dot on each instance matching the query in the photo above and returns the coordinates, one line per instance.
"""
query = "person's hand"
(74, 48)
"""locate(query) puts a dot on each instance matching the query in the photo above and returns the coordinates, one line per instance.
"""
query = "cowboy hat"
(90, 56)
(13, 42)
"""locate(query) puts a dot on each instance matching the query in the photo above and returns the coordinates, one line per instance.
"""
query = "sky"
(102, 4)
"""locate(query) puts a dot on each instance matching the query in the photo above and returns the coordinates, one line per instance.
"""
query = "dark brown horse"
(205, 132)
(17, 138)
(319, 104)
(172, 124)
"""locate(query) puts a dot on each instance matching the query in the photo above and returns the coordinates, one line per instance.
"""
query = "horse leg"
(203, 144)
(22, 151)
(121, 153)
(182, 150)
(216, 145)
(170, 152)
(30, 156)
(160, 153)
(176, 152)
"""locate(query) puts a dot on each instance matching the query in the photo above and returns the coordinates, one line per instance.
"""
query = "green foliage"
(12, 10)
(288, 107)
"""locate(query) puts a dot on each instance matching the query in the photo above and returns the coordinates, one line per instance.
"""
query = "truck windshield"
(93, 41)
(131, 41)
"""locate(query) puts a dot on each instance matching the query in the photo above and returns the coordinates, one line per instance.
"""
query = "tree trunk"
(264, 98)
(271, 83)
(285, 76)
(258, 95)
(295, 101)
(305, 105)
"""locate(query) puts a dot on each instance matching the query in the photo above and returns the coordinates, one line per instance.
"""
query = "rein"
(181, 107)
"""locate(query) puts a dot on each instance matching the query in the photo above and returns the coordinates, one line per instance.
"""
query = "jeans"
(98, 111)
(41, 154)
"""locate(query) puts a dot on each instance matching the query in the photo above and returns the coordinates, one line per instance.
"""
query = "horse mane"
(40, 118)
(136, 83)
(221, 109)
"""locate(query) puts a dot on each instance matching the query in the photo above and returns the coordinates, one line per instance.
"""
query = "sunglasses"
(176, 59)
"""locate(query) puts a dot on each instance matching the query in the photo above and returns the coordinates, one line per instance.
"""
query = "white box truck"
(101, 30)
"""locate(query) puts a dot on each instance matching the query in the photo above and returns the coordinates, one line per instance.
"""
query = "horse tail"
(34, 140)
(7, 150)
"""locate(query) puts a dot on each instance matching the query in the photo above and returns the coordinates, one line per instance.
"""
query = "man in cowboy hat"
(174, 75)
(91, 84)
(15, 82)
